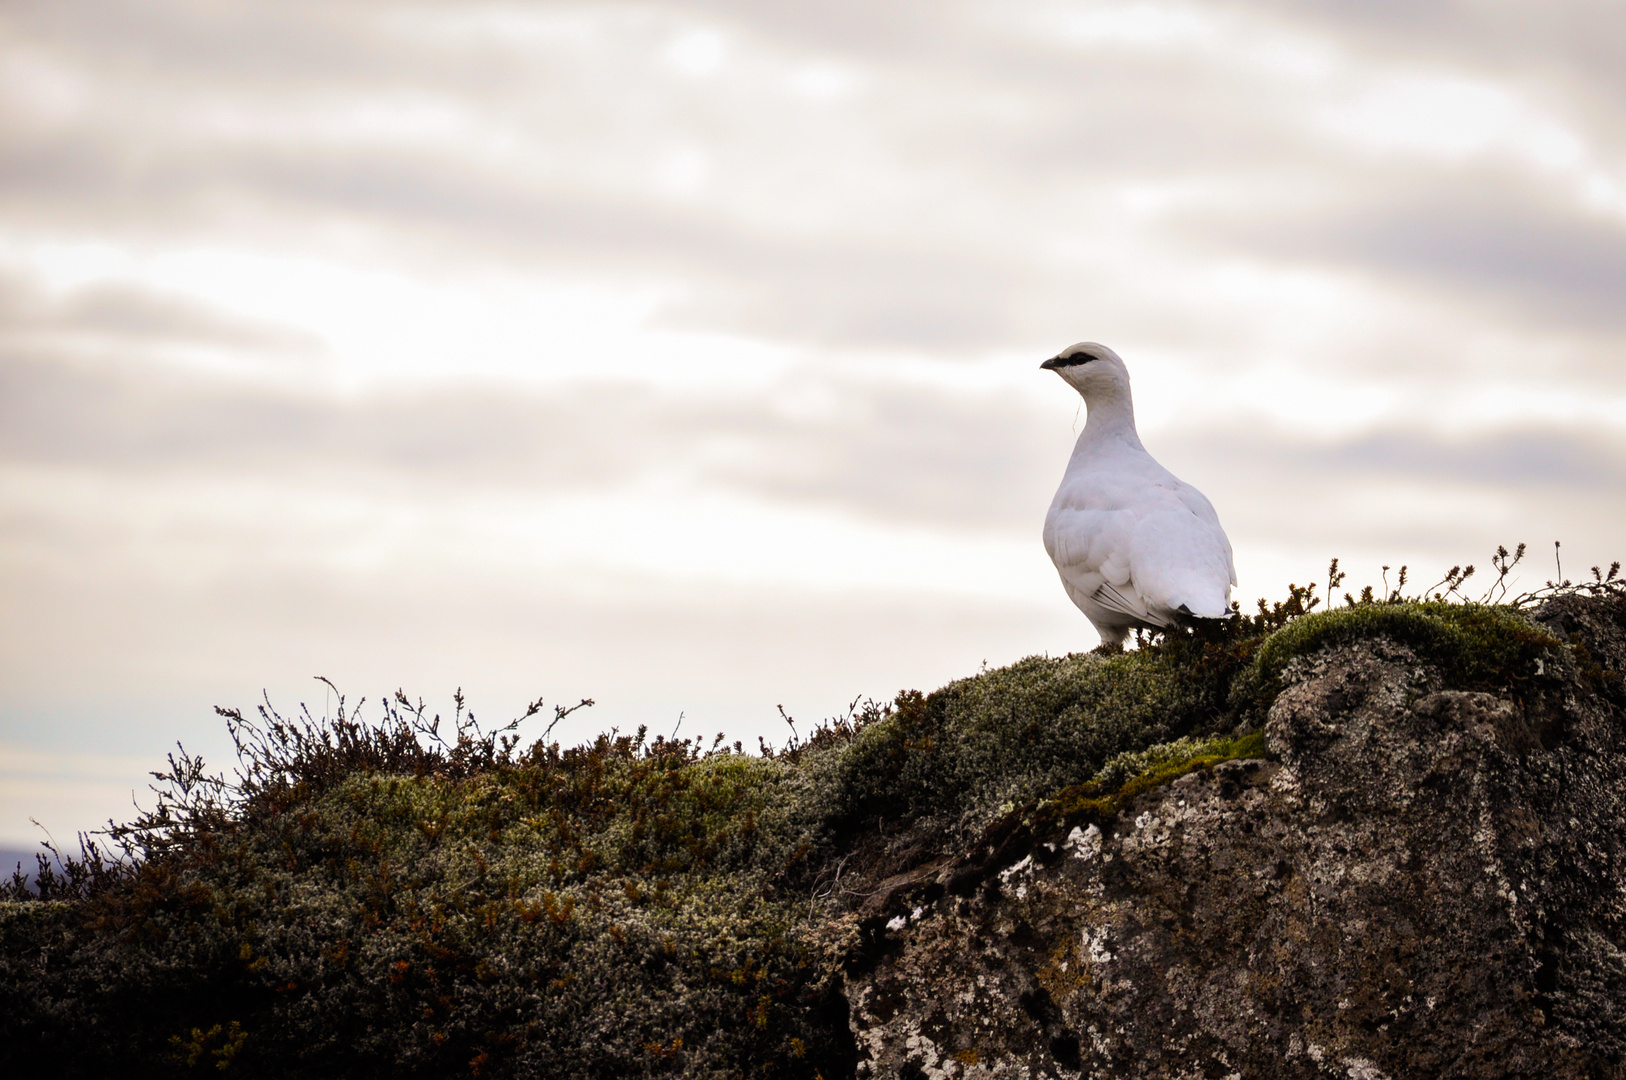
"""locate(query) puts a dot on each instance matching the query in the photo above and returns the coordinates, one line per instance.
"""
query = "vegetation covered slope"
(374, 900)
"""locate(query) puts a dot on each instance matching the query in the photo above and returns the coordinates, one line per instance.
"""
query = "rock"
(1426, 882)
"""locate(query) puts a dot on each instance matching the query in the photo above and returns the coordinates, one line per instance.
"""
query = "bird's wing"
(1181, 562)
(1126, 602)
(1093, 553)
(1084, 542)
(1203, 510)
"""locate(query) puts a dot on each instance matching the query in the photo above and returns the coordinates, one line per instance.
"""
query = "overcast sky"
(685, 355)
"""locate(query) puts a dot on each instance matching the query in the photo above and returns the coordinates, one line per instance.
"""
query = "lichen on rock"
(1425, 880)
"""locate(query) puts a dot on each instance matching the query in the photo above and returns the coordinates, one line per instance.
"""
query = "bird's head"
(1093, 370)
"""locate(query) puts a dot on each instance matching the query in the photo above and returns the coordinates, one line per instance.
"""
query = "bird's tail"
(1185, 614)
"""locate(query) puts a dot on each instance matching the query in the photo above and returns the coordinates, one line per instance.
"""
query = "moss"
(18, 915)
(1130, 775)
(1473, 646)
(952, 759)
(560, 917)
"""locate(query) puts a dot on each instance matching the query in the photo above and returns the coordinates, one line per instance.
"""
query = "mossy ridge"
(1057, 736)
(611, 912)
(1014, 735)
(504, 918)
(612, 882)
(1473, 646)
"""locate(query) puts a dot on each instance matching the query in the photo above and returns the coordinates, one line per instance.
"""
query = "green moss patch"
(1131, 775)
(954, 760)
(1473, 646)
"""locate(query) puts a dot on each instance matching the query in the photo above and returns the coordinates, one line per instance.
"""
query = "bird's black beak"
(1051, 364)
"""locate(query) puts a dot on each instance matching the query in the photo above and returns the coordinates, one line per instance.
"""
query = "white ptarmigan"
(1135, 546)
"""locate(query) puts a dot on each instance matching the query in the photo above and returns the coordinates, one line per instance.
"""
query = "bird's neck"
(1111, 419)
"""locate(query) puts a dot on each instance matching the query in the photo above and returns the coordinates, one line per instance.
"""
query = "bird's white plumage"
(1134, 545)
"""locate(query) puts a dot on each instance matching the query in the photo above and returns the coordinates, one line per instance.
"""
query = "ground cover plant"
(402, 897)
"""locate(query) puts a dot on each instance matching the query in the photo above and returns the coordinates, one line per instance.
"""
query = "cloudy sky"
(684, 355)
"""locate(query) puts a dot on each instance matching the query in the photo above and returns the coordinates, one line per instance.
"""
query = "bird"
(1135, 546)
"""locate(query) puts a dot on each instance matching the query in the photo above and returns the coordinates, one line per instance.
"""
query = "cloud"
(929, 215)
(876, 450)
(1501, 245)
(1586, 461)
(879, 451)
(1578, 41)
(129, 313)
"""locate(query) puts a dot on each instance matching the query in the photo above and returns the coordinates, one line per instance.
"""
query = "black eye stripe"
(1072, 359)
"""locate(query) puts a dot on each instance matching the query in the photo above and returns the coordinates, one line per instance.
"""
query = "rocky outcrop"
(1422, 882)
